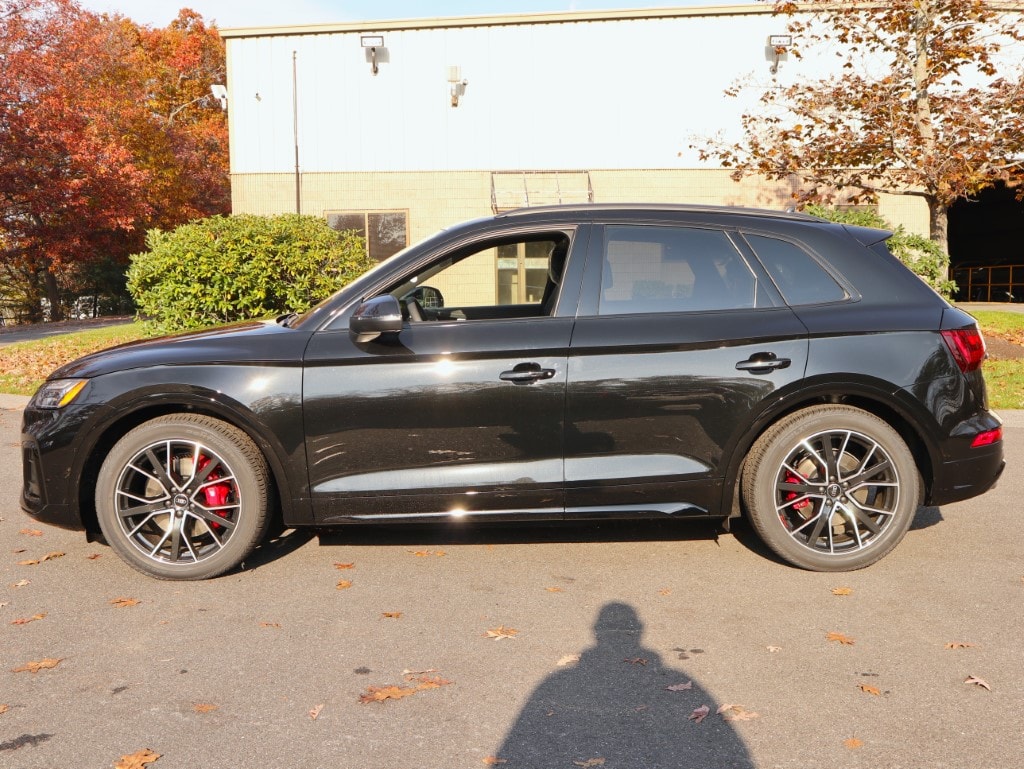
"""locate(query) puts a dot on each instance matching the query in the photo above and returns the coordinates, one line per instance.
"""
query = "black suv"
(557, 363)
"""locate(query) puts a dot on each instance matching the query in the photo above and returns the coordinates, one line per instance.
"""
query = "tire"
(831, 488)
(183, 497)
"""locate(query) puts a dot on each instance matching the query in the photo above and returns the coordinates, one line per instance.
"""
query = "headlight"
(57, 393)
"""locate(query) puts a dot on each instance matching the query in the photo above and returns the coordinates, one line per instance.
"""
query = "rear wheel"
(831, 488)
(183, 497)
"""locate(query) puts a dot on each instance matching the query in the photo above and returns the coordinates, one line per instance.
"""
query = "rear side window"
(796, 273)
(673, 269)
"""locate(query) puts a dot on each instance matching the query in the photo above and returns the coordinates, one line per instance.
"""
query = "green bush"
(229, 268)
(920, 254)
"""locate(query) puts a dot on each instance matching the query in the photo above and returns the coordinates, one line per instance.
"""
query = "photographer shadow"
(612, 709)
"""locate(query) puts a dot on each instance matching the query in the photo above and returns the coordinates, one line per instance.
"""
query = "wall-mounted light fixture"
(457, 84)
(220, 93)
(776, 50)
(374, 45)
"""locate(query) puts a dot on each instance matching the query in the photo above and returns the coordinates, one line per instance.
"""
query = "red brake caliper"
(792, 478)
(216, 494)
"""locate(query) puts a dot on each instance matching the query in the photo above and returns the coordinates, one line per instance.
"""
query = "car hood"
(251, 342)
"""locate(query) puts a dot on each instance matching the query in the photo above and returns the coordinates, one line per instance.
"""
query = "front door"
(463, 413)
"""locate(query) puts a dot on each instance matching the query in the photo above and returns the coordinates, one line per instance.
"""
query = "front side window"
(503, 279)
(674, 269)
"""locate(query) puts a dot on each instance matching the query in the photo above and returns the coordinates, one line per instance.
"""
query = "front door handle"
(763, 363)
(526, 373)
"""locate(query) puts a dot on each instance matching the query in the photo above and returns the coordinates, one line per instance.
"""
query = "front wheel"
(831, 488)
(183, 497)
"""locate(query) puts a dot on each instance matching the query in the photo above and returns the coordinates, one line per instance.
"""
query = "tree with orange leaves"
(928, 102)
(107, 129)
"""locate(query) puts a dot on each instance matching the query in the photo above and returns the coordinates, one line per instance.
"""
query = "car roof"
(606, 208)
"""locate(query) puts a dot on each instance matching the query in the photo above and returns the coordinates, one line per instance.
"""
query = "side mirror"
(380, 315)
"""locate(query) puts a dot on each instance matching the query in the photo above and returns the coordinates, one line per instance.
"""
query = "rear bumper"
(965, 478)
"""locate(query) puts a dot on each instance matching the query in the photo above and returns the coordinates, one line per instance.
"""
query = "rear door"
(681, 338)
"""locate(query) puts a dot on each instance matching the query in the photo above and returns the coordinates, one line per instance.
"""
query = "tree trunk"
(938, 223)
(53, 295)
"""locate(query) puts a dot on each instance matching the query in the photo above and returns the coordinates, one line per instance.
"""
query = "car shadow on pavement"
(468, 533)
(613, 708)
(278, 546)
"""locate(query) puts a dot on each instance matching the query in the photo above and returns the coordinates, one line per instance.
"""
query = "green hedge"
(230, 268)
(920, 254)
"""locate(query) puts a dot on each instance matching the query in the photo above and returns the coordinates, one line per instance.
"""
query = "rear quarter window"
(797, 274)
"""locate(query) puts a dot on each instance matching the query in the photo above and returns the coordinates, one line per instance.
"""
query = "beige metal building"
(399, 128)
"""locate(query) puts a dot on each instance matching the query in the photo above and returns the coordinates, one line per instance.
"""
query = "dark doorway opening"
(986, 246)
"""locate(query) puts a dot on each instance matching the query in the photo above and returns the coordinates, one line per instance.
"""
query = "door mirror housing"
(380, 315)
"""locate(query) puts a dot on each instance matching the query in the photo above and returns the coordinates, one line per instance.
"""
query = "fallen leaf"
(568, 659)
(31, 532)
(736, 713)
(392, 614)
(204, 707)
(47, 557)
(344, 584)
(699, 714)
(840, 638)
(4, 708)
(271, 624)
(124, 603)
(959, 645)
(494, 760)
(342, 566)
(773, 649)
(428, 553)
(26, 620)
(35, 667)
(977, 682)
(427, 682)
(94, 556)
(852, 743)
(315, 712)
(22, 583)
(381, 693)
(137, 760)
(665, 591)
(19, 550)
(874, 691)
(842, 591)
(421, 683)
(553, 589)
(590, 762)
(743, 715)
(501, 632)
(683, 687)
(635, 660)
(408, 672)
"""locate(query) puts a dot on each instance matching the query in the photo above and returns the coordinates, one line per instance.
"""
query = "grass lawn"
(24, 366)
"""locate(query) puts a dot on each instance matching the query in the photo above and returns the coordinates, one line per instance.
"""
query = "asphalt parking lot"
(414, 662)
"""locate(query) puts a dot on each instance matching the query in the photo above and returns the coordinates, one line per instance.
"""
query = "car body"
(557, 363)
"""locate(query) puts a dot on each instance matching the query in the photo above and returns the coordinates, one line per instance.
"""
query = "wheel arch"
(868, 395)
(141, 407)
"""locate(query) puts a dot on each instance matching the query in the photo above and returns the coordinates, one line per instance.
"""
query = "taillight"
(987, 438)
(967, 346)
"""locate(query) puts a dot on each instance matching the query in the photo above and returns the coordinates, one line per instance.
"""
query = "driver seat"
(556, 266)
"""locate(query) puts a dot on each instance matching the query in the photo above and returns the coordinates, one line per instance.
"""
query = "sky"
(259, 13)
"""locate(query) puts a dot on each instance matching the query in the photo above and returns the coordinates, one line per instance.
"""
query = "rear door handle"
(526, 373)
(763, 363)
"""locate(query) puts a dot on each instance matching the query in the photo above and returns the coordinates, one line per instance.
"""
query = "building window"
(385, 232)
